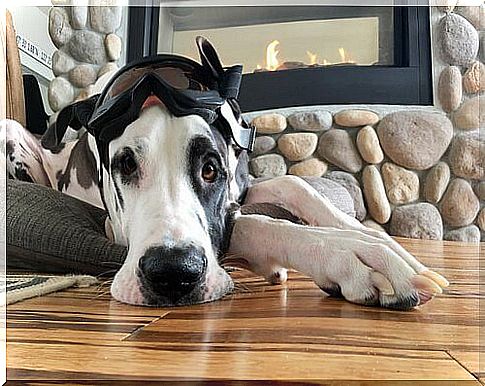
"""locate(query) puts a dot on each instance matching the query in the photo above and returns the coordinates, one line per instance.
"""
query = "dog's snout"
(172, 272)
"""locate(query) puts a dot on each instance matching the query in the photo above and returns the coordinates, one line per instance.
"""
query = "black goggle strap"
(243, 137)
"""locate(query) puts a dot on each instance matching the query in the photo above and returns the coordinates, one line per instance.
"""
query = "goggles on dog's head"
(184, 86)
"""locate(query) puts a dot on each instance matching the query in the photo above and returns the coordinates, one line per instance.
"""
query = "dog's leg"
(350, 263)
(297, 196)
(23, 154)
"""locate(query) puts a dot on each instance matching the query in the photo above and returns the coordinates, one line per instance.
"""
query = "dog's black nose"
(172, 272)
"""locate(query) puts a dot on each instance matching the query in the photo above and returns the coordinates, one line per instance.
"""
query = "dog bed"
(50, 232)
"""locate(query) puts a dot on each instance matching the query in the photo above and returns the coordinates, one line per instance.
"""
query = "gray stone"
(402, 185)
(480, 190)
(60, 94)
(417, 221)
(311, 121)
(356, 118)
(474, 78)
(467, 155)
(368, 145)
(337, 147)
(375, 194)
(457, 40)
(270, 165)
(450, 89)
(297, 146)
(475, 15)
(113, 46)
(459, 205)
(83, 75)
(263, 145)
(270, 123)
(481, 219)
(336, 193)
(372, 224)
(61, 63)
(469, 234)
(105, 19)
(79, 16)
(436, 182)
(87, 46)
(415, 139)
(312, 167)
(471, 114)
(108, 67)
(60, 30)
(349, 182)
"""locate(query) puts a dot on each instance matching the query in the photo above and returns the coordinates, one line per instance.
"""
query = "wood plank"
(282, 333)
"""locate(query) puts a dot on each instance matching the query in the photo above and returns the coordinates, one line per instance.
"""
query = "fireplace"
(303, 55)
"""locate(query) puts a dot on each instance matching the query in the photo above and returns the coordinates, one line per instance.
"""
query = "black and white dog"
(173, 186)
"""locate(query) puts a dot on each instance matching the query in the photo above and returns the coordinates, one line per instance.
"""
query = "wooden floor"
(280, 333)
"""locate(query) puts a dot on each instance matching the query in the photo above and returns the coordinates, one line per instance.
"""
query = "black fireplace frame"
(408, 82)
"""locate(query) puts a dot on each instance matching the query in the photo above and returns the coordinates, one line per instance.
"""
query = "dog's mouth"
(135, 291)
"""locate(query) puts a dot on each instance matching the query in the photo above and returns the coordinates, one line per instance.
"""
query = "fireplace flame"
(312, 57)
(272, 61)
(344, 56)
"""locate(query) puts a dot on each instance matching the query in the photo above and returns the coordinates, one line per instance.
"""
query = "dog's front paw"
(375, 274)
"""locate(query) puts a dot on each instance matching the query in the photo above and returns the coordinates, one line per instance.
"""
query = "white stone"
(375, 195)
(312, 167)
(368, 145)
(60, 29)
(297, 146)
(62, 63)
(113, 46)
(459, 205)
(270, 123)
(61, 93)
(269, 165)
(336, 146)
(402, 186)
(436, 182)
(471, 114)
(356, 118)
(450, 90)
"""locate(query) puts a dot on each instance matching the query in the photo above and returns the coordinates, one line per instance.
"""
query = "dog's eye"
(209, 172)
(128, 165)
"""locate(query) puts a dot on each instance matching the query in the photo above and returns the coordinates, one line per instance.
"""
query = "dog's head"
(170, 183)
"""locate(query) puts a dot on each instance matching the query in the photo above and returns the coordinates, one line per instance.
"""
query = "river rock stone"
(311, 121)
(368, 145)
(87, 46)
(375, 195)
(471, 114)
(61, 63)
(475, 15)
(417, 221)
(480, 190)
(481, 219)
(474, 78)
(83, 75)
(263, 145)
(457, 40)
(450, 89)
(312, 167)
(337, 147)
(467, 155)
(459, 205)
(415, 139)
(349, 182)
(269, 165)
(60, 29)
(60, 94)
(112, 43)
(436, 182)
(402, 186)
(373, 225)
(356, 118)
(469, 234)
(79, 16)
(108, 67)
(270, 123)
(297, 146)
(105, 19)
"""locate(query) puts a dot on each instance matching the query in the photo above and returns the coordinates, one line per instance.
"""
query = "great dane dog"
(179, 197)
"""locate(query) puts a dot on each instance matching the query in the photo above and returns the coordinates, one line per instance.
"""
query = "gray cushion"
(48, 231)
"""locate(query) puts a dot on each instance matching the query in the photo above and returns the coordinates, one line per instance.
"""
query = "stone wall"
(415, 171)
(88, 47)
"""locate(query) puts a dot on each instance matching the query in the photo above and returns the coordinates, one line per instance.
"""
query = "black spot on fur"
(83, 161)
(10, 148)
(271, 210)
(212, 196)
(22, 174)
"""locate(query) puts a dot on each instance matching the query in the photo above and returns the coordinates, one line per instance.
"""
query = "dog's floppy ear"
(208, 56)
(75, 116)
